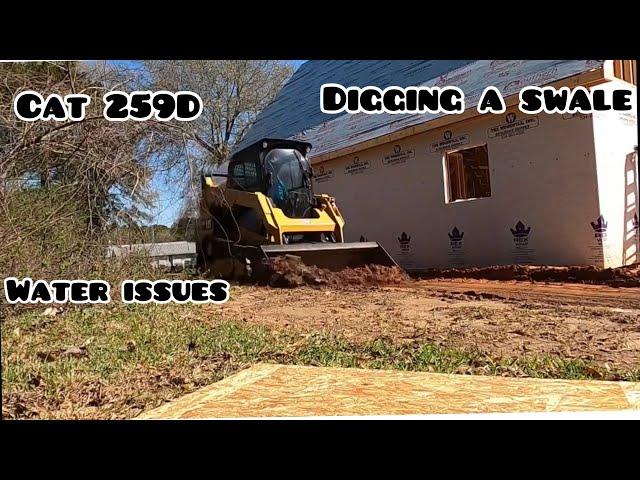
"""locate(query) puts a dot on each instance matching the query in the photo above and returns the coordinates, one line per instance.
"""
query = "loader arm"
(245, 221)
(327, 218)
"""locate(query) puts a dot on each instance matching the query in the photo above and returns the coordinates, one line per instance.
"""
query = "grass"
(130, 358)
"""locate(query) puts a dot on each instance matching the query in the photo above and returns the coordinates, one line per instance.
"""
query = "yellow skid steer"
(262, 205)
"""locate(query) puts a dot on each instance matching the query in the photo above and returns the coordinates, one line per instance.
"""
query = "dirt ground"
(502, 318)
(114, 361)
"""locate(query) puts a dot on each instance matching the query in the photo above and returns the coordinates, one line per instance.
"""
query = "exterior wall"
(616, 138)
(543, 175)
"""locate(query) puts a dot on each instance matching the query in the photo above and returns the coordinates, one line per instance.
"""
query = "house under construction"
(473, 189)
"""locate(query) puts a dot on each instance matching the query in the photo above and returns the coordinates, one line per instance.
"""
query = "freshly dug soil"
(289, 271)
(628, 276)
(505, 319)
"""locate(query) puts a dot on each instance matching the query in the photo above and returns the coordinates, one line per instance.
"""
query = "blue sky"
(168, 203)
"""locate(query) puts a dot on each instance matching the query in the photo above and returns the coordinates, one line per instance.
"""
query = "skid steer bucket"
(333, 256)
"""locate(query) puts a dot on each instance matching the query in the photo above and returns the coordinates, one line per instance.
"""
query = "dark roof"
(295, 112)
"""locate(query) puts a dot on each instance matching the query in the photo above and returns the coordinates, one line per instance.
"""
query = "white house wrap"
(473, 190)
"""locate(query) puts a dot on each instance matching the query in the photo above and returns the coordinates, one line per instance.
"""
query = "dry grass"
(115, 361)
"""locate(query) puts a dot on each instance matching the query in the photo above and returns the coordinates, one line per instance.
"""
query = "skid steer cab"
(261, 204)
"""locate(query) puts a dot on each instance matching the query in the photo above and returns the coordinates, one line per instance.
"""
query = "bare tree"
(233, 91)
(108, 165)
(100, 161)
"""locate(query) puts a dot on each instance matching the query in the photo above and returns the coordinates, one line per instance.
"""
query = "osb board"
(292, 391)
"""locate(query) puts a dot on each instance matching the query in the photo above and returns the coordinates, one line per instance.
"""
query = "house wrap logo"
(455, 239)
(449, 141)
(522, 252)
(629, 119)
(405, 242)
(322, 174)
(356, 166)
(600, 229)
(520, 234)
(513, 126)
(581, 116)
(455, 255)
(398, 156)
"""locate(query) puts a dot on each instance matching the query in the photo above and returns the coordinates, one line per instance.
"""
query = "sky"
(167, 206)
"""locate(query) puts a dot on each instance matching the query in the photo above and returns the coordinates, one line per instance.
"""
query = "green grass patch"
(135, 357)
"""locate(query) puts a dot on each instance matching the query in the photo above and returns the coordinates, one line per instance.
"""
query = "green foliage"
(45, 235)
(43, 231)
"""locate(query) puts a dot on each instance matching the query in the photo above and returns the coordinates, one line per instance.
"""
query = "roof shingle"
(295, 112)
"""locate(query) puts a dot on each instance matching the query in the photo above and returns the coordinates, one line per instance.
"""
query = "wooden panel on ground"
(296, 391)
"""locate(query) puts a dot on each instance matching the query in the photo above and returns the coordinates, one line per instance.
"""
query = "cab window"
(244, 175)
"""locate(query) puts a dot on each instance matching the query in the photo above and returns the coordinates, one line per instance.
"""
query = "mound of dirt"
(289, 271)
(628, 276)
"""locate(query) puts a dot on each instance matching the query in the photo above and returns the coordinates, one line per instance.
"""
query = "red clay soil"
(628, 276)
(289, 271)
(505, 319)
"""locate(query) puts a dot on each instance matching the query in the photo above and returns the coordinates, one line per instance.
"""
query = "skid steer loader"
(261, 204)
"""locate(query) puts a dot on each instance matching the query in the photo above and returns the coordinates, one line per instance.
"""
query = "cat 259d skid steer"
(260, 204)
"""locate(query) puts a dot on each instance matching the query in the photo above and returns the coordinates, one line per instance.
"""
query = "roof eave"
(587, 79)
